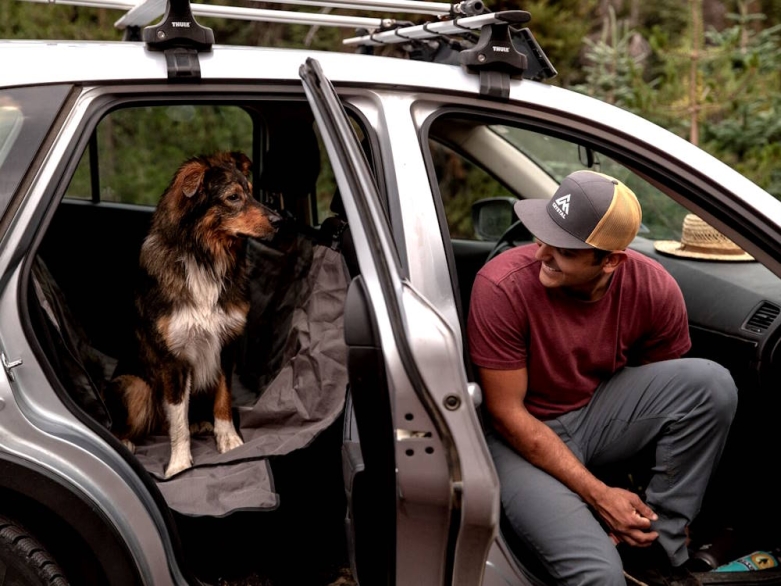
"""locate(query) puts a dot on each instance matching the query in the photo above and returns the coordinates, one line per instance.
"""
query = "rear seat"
(80, 367)
(291, 377)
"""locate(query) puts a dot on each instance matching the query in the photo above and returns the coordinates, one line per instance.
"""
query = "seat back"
(80, 367)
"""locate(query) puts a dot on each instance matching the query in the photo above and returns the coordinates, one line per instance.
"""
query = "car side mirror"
(492, 216)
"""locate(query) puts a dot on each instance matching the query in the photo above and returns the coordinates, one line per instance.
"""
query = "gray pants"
(685, 407)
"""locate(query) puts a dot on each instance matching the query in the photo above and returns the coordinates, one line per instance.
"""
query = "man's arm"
(627, 516)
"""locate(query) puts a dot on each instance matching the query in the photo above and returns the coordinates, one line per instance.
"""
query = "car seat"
(80, 367)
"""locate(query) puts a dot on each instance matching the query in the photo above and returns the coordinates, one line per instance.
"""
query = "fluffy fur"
(191, 304)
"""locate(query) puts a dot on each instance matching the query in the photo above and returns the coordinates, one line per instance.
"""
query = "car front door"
(422, 491)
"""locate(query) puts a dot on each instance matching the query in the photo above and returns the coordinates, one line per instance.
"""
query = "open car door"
(423, 495)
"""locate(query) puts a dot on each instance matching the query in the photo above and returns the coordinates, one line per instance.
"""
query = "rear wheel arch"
(81, 540)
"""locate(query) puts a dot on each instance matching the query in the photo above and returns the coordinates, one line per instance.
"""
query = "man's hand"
(627, 516)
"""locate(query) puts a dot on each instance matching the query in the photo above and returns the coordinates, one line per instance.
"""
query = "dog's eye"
(234, 197)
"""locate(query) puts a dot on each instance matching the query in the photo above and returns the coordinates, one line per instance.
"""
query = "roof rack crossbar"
(144, 12)
(116, 4)
(257, 14)
(147, 11)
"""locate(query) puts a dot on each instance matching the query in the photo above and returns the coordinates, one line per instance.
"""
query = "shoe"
(651, 567)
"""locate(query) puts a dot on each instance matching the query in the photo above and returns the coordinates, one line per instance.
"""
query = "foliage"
(735, 99)
(744, 123)
(612, 73)
(130, 139)
(25, 20)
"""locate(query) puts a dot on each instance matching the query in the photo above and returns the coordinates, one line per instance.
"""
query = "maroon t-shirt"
(569, 346)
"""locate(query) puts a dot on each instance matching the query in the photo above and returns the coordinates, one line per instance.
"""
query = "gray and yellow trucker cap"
(588, 210)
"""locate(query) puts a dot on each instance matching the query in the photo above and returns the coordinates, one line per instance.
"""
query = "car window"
(662, 217)
(499, 160)
(135, 151)
(138, 149)
(461, 183)
(555, 156)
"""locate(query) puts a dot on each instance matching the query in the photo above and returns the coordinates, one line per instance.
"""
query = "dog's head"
(213, 194)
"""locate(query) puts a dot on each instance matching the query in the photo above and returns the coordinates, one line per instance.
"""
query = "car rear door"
(423, 494)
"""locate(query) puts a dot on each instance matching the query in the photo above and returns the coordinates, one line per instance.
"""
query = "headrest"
(292, 163)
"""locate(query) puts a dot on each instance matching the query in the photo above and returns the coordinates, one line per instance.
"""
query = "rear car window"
(135, 151)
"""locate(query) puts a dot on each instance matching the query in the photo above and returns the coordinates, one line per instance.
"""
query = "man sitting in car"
(579, 344)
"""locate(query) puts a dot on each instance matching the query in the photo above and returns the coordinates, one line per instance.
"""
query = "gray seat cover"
(306, 392)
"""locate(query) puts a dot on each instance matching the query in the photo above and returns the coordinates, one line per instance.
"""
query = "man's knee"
(715, 385)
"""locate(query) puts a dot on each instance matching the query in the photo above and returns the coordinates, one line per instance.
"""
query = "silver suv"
(353, 392)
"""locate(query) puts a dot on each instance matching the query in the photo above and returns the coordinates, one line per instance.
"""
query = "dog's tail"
(130, 402)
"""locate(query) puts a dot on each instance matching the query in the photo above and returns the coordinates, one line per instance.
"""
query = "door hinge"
(9, 366)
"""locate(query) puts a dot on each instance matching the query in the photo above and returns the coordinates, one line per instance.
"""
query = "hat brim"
(534, 215)
(675, 248)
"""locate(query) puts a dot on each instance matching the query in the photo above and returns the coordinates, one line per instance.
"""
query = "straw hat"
(702, 241)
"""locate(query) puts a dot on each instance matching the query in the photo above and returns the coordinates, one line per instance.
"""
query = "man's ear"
(613, 260)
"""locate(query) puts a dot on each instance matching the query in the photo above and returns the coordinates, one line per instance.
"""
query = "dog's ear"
(189, 178)
(243, 163)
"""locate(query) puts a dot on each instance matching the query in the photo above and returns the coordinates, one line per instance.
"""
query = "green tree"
(720, 91)
(743, 124)
(26, 20)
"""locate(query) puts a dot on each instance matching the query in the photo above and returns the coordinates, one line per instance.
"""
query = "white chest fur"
(198, 330)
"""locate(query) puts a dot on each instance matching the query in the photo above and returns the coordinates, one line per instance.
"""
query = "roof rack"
(502, 51)
(147, 11)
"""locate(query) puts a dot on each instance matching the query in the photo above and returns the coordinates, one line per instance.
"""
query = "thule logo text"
(180, 24)
(501, 49)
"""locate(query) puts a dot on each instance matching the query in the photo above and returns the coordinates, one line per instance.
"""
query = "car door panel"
(446, 490)
(370, 458)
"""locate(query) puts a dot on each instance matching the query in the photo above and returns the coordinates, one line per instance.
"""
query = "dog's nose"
(274, 218)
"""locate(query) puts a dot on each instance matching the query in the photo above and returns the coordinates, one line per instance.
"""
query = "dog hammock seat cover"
(83, 368)
(290, 382)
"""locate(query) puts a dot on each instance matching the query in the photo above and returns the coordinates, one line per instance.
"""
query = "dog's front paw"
(228, 441)
(226, 436)
(129, 445)
(178, 463)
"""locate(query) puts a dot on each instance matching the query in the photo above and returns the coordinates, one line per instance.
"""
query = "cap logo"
(561, 205)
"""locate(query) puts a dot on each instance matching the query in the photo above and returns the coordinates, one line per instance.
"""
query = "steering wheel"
(515, 235)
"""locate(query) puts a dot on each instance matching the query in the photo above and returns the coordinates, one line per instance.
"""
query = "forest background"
(708, 70)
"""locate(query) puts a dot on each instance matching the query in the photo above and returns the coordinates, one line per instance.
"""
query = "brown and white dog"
(191, 303)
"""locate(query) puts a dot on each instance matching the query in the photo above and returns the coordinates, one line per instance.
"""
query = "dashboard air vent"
(762, 318)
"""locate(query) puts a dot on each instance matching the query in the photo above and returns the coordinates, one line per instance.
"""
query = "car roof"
(46, 62)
